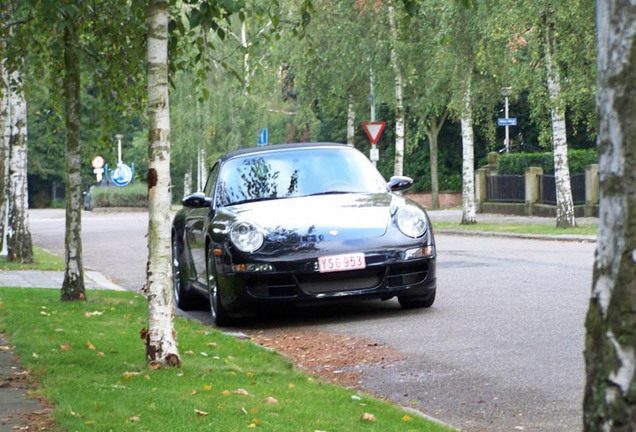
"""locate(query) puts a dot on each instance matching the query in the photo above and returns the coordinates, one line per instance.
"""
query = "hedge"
(516, 163)
(134, 195)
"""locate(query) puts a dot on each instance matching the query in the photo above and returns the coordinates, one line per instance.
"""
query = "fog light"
(420, 252)
(259, 268)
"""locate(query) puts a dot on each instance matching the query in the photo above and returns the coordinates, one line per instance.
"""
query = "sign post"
(373, 130)
(262, 137)
(98, 167)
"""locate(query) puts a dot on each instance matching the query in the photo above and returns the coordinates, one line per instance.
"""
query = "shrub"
(134, 195)
(516, 163)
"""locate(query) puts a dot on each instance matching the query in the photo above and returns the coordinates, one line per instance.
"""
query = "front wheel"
(182, 299)
(220, 315)
(408, 302)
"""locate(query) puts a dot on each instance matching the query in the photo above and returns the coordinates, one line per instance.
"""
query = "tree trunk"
(432, 133)
(246, 60)
(161, 345)
(5, 136)
(468, 164)
(565, 204)
(399, 104)
(187, 180)
(73, 286)
(610, 344)
(351, 121)
(19, 245)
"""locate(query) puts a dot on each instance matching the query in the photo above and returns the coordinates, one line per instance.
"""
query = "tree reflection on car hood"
(318, 218)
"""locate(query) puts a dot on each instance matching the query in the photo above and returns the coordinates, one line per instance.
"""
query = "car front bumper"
(387, 274)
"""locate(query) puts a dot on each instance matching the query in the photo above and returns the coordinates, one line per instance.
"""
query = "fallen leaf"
(207, 387)
(291, 386)
(91, 314)
(90, 345)
(199, 412)
(407, 418)
(189, 352)
(65, 347)
(271, 400)
(242, 392)
(134, 419)
(204, 354)
(368, 417)
(100, 354)
(4, 348)
(226, 393)
(143, 334)
(250, 374)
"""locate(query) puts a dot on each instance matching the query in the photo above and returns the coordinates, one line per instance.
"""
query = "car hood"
(320, 218)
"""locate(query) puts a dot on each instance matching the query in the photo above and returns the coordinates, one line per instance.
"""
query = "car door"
(195, 227)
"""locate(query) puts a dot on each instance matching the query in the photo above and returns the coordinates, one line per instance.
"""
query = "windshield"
(289, 173)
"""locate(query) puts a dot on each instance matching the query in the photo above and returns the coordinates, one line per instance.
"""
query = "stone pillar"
(480, 188)
(533, 174)
(591, 190)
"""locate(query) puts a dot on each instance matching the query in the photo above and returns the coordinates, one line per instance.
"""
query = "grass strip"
(89, 361)
(518, 228)
(42, 260)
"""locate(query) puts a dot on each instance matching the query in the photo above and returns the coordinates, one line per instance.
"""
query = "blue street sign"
(122, 175)
(262, 137)
(512, 121)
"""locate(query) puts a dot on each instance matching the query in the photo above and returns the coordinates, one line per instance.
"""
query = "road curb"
(543, 237)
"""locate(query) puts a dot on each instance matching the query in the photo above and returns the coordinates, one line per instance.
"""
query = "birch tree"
(399, 102)
(19, 244)
(73, 287)
(5, 135)
(565, 203)
(468, 154)
(161, 346)
(610, 344)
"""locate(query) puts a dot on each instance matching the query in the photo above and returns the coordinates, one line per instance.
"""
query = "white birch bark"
(203, 168)
(246, 59)
(19, 244)
(161, 346)
(399, 104)
(5, 136)
(187, 180)
(565, 204)
(73, 287)
(351, 121)
(610, 352)
(468, 157)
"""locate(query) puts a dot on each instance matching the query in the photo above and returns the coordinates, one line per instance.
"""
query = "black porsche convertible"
(300, 224)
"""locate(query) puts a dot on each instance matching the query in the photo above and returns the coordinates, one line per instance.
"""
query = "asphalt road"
(501, 349)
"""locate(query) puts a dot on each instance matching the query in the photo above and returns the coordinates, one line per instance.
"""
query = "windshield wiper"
(251, 200)
(333, 192)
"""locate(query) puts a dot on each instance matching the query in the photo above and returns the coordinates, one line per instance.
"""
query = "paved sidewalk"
(52, 279)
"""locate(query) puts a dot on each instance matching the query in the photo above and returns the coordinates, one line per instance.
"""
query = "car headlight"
(246, 236)
(411, 221)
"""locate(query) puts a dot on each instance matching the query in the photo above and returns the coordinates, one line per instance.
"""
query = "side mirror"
(400, 183)
(196, 200)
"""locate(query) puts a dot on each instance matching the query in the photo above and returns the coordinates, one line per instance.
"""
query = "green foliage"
(88, 360)
(133, 195)
(516, 163)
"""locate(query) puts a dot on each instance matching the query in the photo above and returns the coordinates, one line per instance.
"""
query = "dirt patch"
(336, 358)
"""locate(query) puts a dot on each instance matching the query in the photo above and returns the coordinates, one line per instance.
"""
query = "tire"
(417, 302)
(219, 314)
(182, 299)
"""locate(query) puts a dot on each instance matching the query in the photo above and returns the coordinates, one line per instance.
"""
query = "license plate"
(344, 262)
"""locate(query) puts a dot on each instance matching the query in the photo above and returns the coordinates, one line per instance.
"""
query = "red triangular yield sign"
(373, 130)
